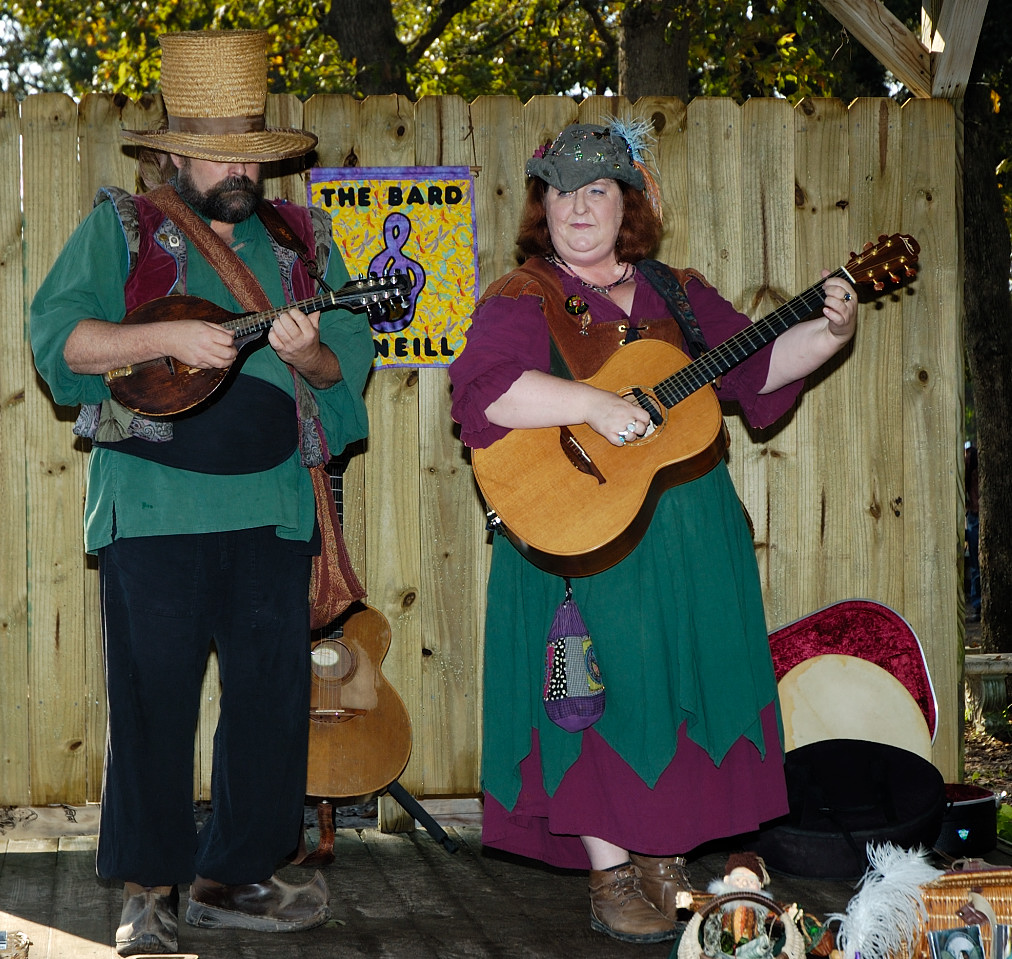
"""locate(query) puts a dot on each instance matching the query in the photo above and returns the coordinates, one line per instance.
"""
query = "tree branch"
(445, 12)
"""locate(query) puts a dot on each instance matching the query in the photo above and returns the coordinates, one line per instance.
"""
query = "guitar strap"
(275, 224)
(580, 350)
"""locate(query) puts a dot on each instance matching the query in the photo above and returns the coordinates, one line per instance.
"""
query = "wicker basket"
(945, 896)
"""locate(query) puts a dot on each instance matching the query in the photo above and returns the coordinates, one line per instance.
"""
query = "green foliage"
(790, 48)
(1005, 822)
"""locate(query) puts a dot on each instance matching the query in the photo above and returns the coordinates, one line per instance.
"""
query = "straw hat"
(214, 85)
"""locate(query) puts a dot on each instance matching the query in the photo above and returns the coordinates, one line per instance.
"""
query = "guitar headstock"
(892, 258)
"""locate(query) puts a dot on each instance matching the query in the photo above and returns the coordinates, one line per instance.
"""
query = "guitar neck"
(716, 362)
(249, 324)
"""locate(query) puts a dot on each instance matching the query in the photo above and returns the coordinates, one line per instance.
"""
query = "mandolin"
(573, 503)
(167, 387)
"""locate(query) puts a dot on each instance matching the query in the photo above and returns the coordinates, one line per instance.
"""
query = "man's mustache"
(232, 183)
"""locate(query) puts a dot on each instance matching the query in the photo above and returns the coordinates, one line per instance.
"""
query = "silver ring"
(623, 433)
(621, 438)
(631, 428)
(847, 297)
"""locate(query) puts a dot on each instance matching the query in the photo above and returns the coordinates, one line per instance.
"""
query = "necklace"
(627, 274)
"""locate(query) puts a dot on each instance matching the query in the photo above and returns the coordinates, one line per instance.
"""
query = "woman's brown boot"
(662, 878)
(618, 908)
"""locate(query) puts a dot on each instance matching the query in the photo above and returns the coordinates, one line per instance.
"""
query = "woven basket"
(945, 896)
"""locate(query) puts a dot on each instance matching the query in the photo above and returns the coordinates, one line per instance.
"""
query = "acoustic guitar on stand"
(167, 387)
(359, 727)
(573, 503)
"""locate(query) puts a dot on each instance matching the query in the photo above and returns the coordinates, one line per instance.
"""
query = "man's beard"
(231, 201)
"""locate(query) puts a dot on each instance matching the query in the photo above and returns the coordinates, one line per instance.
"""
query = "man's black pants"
(165, 599)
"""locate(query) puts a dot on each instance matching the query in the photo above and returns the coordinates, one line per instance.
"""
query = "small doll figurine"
(744, 872)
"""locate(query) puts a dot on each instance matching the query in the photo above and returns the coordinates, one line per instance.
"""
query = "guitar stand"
(323, 854)
(414, 808)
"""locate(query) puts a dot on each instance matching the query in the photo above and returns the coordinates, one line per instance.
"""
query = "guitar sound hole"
(333, 662)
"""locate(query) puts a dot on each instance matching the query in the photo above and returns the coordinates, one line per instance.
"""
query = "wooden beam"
(888, 40)
(955, 37)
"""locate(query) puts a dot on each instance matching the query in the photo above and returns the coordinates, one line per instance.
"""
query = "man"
(204, 524)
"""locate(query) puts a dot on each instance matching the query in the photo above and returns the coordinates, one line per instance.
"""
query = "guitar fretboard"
(716, 362)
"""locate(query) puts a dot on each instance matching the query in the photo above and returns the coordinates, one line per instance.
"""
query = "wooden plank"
(887, 39)
(393, 541)
(932, 412)
(15, 375)
(85, 916)
(104, 162)
(667, 161)
(877, 360)
(502, 144)
(448, 723)
(821, 172)
(765, 464)
(544, 119)
(55, 469)
(335, 119)
(29, 869)
(286, 179)
(954, 42)
(714, 228)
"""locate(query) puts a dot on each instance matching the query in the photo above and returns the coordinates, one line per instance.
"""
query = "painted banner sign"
(421, 221)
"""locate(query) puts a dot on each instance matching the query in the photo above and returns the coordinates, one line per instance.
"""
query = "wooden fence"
(858, 494)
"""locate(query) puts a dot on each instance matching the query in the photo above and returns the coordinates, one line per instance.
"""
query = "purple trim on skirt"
(693, 802)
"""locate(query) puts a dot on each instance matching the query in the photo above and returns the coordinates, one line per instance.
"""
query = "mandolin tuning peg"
(878, 286)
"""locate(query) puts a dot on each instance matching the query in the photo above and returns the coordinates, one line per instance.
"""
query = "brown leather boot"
(661, 879)
(618, 909)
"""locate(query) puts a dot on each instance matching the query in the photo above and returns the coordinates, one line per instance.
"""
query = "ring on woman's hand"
(621, 437)
(847, 297)
(623, 433)
(631, 428)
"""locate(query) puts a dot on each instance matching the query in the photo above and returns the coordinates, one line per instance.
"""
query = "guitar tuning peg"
(893, 277)
(878, 286)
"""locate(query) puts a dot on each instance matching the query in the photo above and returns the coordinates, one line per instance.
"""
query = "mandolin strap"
(235, 274)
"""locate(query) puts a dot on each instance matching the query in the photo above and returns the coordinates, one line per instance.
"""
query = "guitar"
(166, 387)
(575, 505)
(359, 728)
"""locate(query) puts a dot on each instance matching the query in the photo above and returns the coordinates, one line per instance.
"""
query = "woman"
(688, 748)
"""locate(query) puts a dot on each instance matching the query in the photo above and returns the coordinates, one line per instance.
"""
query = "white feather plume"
(638, 132)
(885, 914)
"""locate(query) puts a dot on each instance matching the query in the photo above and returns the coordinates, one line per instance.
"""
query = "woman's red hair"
(638, 236)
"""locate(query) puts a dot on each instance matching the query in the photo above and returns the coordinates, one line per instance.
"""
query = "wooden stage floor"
(394, 896)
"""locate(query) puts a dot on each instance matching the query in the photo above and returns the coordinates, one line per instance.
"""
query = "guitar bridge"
(577, 455)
